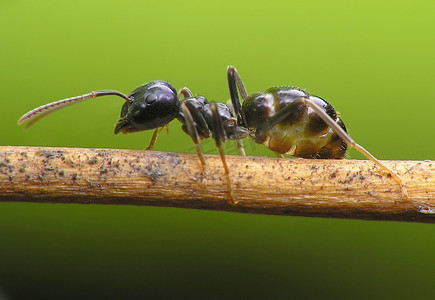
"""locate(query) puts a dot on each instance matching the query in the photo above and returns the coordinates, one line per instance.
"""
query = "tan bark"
(325, 188)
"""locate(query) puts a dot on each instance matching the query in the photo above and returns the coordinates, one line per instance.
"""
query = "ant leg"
(219, 136)
(275, 119)
(154, 138)
(350, 142)
(185, 92)
(155, 135)
(240, 147)
(234, 77)
(263, 128)
(279, 155)
(238, 141)
(234, 82)
(218, 133)
(191, 129)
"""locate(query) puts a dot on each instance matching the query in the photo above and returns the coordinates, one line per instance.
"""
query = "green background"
(373, 60)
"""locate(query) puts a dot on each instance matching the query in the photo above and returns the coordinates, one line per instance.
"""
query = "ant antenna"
(39, 112)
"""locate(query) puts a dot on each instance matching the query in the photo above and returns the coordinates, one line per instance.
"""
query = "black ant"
(285, 119)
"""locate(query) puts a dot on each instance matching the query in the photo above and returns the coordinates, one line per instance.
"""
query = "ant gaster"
(285, 119)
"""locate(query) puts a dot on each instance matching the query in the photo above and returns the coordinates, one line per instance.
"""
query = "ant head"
(153, 105)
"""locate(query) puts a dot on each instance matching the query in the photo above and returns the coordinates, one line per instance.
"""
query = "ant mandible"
(285, 119)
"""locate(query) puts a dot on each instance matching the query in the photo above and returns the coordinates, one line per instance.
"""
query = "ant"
(285, 119)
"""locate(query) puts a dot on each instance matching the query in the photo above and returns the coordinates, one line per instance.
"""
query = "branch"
(301, 187)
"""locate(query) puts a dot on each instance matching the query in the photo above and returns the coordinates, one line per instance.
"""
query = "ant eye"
(150, 98)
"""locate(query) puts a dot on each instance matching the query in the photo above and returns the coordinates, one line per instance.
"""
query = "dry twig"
(325, 188)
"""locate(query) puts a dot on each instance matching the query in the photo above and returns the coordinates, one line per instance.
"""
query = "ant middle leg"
(220, 136)
(154, 138)
(218, 133)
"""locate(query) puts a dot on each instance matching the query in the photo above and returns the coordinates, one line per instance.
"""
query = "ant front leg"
(154, 138)
(350, 142)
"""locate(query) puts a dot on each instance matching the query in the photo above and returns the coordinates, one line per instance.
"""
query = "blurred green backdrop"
(373, 60)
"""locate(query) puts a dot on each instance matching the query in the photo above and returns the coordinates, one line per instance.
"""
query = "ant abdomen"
(300, 131)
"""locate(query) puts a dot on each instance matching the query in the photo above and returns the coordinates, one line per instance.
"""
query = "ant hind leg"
(350, 142)
(235, 85)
